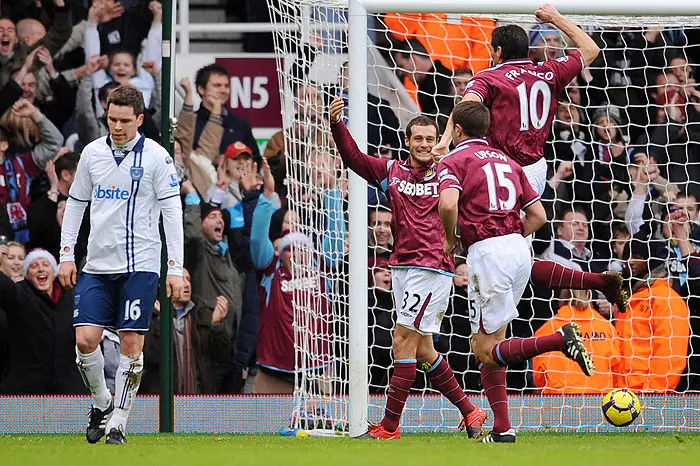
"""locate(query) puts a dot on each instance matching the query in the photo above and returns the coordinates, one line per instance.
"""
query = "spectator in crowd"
(620, 236)
(28, 141)
(213, 272)
(432, 79)
(198, 164)
(460, 78)
(553, 373)
(381, 321)
(59, 102)
(40, 321)
(546, 43)
(236, 174)
(383, 126)
(673, 141)
(455, 40)
(123, 25)
(13, 52)
(122, 66)
(199, 338)
(213, 80)
(655, 329)
(12, 257)
(570, 245)
(379, 229)
(274, 254)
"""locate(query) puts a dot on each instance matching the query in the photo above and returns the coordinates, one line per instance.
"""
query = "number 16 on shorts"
(421, 297)
(132, 309)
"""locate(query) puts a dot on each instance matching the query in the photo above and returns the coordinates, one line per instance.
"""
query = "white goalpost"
(336, 398)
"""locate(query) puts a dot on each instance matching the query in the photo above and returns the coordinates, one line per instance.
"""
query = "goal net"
(624, 178)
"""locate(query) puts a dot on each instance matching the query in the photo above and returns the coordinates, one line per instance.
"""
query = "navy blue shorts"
(123, 301)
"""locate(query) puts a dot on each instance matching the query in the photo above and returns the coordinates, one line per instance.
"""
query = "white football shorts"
(421, 298)
(499, 270)
(537, 176)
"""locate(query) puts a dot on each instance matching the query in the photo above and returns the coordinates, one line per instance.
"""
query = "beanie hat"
(611, 112)
(294, 237)
(39, 254)
(539, 31)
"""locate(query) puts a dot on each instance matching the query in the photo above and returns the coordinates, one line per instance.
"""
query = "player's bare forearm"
(535, 217)
(447, 208)
(584, 43)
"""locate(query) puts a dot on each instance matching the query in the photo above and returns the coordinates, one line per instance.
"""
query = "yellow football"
(621, 407)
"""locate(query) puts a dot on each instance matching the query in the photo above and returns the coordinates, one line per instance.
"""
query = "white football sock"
(92, 368)
(126, 384)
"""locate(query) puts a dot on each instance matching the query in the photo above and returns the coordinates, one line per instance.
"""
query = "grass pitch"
(539, 449)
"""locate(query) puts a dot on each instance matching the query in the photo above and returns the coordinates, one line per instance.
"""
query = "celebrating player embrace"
(483, 191)
(128, 180)
(421, 271)
(522, 98)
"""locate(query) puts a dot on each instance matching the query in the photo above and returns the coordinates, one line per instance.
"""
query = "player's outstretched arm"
(372, 169)
(535, 217)
(585, 44)
(443, 147)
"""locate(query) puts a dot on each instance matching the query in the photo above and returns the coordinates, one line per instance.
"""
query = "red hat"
(236, 149)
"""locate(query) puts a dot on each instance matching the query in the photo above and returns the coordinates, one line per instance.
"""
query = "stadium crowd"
(624, 161)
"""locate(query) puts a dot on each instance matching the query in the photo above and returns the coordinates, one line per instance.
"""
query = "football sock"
(92, 369)
(515, 350)
(494, 382)
(126, 384)
(553, 275)
(399, 386)
(443, 380)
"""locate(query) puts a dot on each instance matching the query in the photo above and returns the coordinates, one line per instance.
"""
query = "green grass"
(540, 449)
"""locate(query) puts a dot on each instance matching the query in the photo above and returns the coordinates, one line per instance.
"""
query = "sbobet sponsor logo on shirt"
(111, 192)
(418, 189)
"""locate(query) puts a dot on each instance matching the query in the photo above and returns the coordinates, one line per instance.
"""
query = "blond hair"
(21, 131)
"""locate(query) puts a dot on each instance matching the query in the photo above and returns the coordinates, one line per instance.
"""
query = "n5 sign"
(254, 90)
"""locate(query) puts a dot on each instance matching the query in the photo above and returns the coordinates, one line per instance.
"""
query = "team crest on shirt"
(429, 174)
(136, 173)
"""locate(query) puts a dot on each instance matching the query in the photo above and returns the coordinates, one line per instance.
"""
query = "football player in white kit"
(128, 181)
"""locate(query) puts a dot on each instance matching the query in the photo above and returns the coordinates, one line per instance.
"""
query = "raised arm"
(372, 169)
(583, 42)
(51, 137)
(261, 248)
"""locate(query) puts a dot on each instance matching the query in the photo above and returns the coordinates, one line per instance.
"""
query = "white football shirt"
(126, 199)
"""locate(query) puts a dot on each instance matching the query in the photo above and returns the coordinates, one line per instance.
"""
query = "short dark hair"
(513, 40)
(421, 120)
(3, 135)
(376, 209)
(462, 71)
(104, 91)
(204, 73)
(127, 96)
(570, 210)
(411, 47)
(67, 162)
(473, 117)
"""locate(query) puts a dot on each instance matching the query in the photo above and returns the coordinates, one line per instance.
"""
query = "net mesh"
(623, 151)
